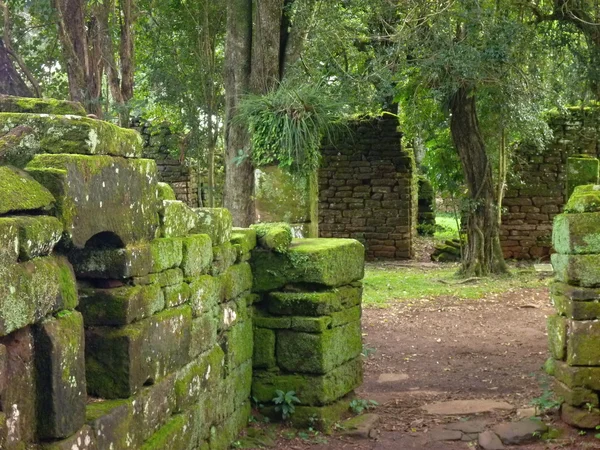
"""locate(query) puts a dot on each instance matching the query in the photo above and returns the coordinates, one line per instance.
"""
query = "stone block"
(585, 418)
(152, 408)
(318, 353)
(264, 349)
(581, 270)
(165, 192)
(216, 222)
(31, 290)
(583, 343)
(317, 417)
(113, 425)
(12, 104)
(9, 242)
(575, 377)
(223, 434)
(581, 170)
(314, 304)
(177, 295)
(176, 219)
(203, 333)
(329, 262)
(101, 194)
(584, 199)
(274, 236)
(176, 434)
(576, 396)
(120, 306)
(312, 390)
(576, 233)
(237, 279)
(84, 439)
(238, 344)
(61, 375)
(119, 361)
(245, 238)
(167, 253)
(557, 336)
(311, 324)
(197, 255)
(206, 293)
(36, 236)
(120, 263)
(224, 256)
(233, 312)
(20, 192)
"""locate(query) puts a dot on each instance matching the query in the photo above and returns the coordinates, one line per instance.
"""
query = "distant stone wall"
(537, 185)
(367, 189)
(164, 146)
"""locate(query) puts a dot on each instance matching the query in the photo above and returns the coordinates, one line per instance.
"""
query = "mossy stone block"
(274, 236)
(167, 253)
(171, 277)
(576, 233)
(587, 310)
(576, 396)
(245, 238)
(576, 293)
(233, 312)
(264, 349)
(265, 320)
(319, 303)
(583, 343)
(236, 280)
(102, 194)
(84, 439)
(216, 222)
(346, 316)
(175, 435)
(557, 336)
(198, 378)
(224, 256)
(31, 290)
(176, 219)
(13, 104)
(581, 170)
(112, 422)
(580, 270)
(329, 262)
(120, 263)
(203, 333)
(153, 407)
(197, 255)
(68, 134)
(584, 199)
(177, 295)
(165, 192)
(574, 377)
(37, 235)
(586, 418)
(120, 306)
(311, 324)
(318, 353)
(119, 361)
(9, 242)
(238, 344)
(227, 432)
(312, 390)
(322, 418)
(20, 192)
(206, 293)
(61, 375)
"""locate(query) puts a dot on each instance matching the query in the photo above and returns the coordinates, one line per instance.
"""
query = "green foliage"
(547, 401)
(286, 403)
(288, 124)
(359, 405)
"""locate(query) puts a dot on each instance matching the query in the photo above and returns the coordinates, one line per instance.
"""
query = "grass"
(384, 284)
(446, 227)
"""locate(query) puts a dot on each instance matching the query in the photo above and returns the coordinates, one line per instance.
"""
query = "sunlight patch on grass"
(385, 284)
(446, 227)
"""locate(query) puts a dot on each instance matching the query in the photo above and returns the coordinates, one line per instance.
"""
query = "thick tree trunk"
(266, 46)
(483, 254)
(126, 56)
(239, 173)
(11, 82)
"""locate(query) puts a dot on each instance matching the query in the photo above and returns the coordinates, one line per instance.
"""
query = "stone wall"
(537, 184)
(164, 146)
(367, 189)
(127, 317)
(574, 331)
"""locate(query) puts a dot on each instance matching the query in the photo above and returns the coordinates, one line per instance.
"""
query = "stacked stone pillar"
(307, 328)
(574, 331)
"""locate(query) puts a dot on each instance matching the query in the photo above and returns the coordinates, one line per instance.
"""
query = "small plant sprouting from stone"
(359, 405)
(546, 401)
(285, 402)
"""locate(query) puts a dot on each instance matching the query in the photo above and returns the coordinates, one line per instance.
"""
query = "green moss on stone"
(557, 336)
(133, 261)
(20, 192)
(576, 233)
(175, 435)
(37, 235)
(167, 253)
(216, 222)
(274, 236)
(203, 332)
(581, 170)
(245, 238)
(176, 219)
(314, 304)
(318, 417)
(206, 293)
(587, 418)
(197, 255)
(177, 295)
(12, 104)
(263, 320)
(584, 199)
(311, 324)
(575, 396)
(581, 270)
(583, 343)
(573, 377)
(236, 280)
(165, 192)
(224, 256)
(238, 344)
(264, 349)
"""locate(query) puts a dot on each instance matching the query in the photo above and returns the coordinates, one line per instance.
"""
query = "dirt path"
(451, 350)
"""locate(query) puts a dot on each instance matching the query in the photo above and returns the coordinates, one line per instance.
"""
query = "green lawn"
(384, 284)
(446, 227)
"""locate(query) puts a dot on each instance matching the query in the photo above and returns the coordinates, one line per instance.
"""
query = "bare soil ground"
(449, 349)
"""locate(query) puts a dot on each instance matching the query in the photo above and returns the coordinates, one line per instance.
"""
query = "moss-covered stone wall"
(128, 320)
(537, 185)
(367, 189)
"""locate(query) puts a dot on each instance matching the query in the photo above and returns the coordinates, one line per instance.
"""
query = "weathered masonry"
(538, 188)
(129, 320)
(367, 189)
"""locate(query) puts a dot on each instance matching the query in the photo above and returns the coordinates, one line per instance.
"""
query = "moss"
(207, 292)
(245, 238)
(581, 270)
(229, 430)
(583, 343)
(169, 277)
(37, 235)
(167, 253)
(236, 280)
(274, 236)
(311, 324)
(318, 353)
(232, 313)
(197, 255)
(224, 256)
(203, 333)
(264, 349)
(165, 192)
(312, 390)
(69, 134)
(12, 104)
(132, 261)
(557, 336)
(581, 170)
(319, 303)
(576, 233)
(322, 418)
(263, 320)
(177, 295)
(20, 192)
(238, 344)
(175, 435)
(176, 219)
(216, 222)
(96, 410)
(329, 262)
(584, 199)
(587, 418)
(575, 396)
(584, 377)
(9, 242)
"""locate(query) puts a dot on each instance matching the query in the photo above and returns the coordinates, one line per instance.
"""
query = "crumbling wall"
(367, 189)
(126, 317)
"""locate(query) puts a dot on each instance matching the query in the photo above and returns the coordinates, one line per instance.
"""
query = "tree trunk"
(11, 82)
(266, 46)
(126, 56)
(239, 173)
(483, 254)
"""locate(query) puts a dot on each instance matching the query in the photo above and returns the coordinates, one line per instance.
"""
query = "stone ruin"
(574, 331)
(130, 320)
